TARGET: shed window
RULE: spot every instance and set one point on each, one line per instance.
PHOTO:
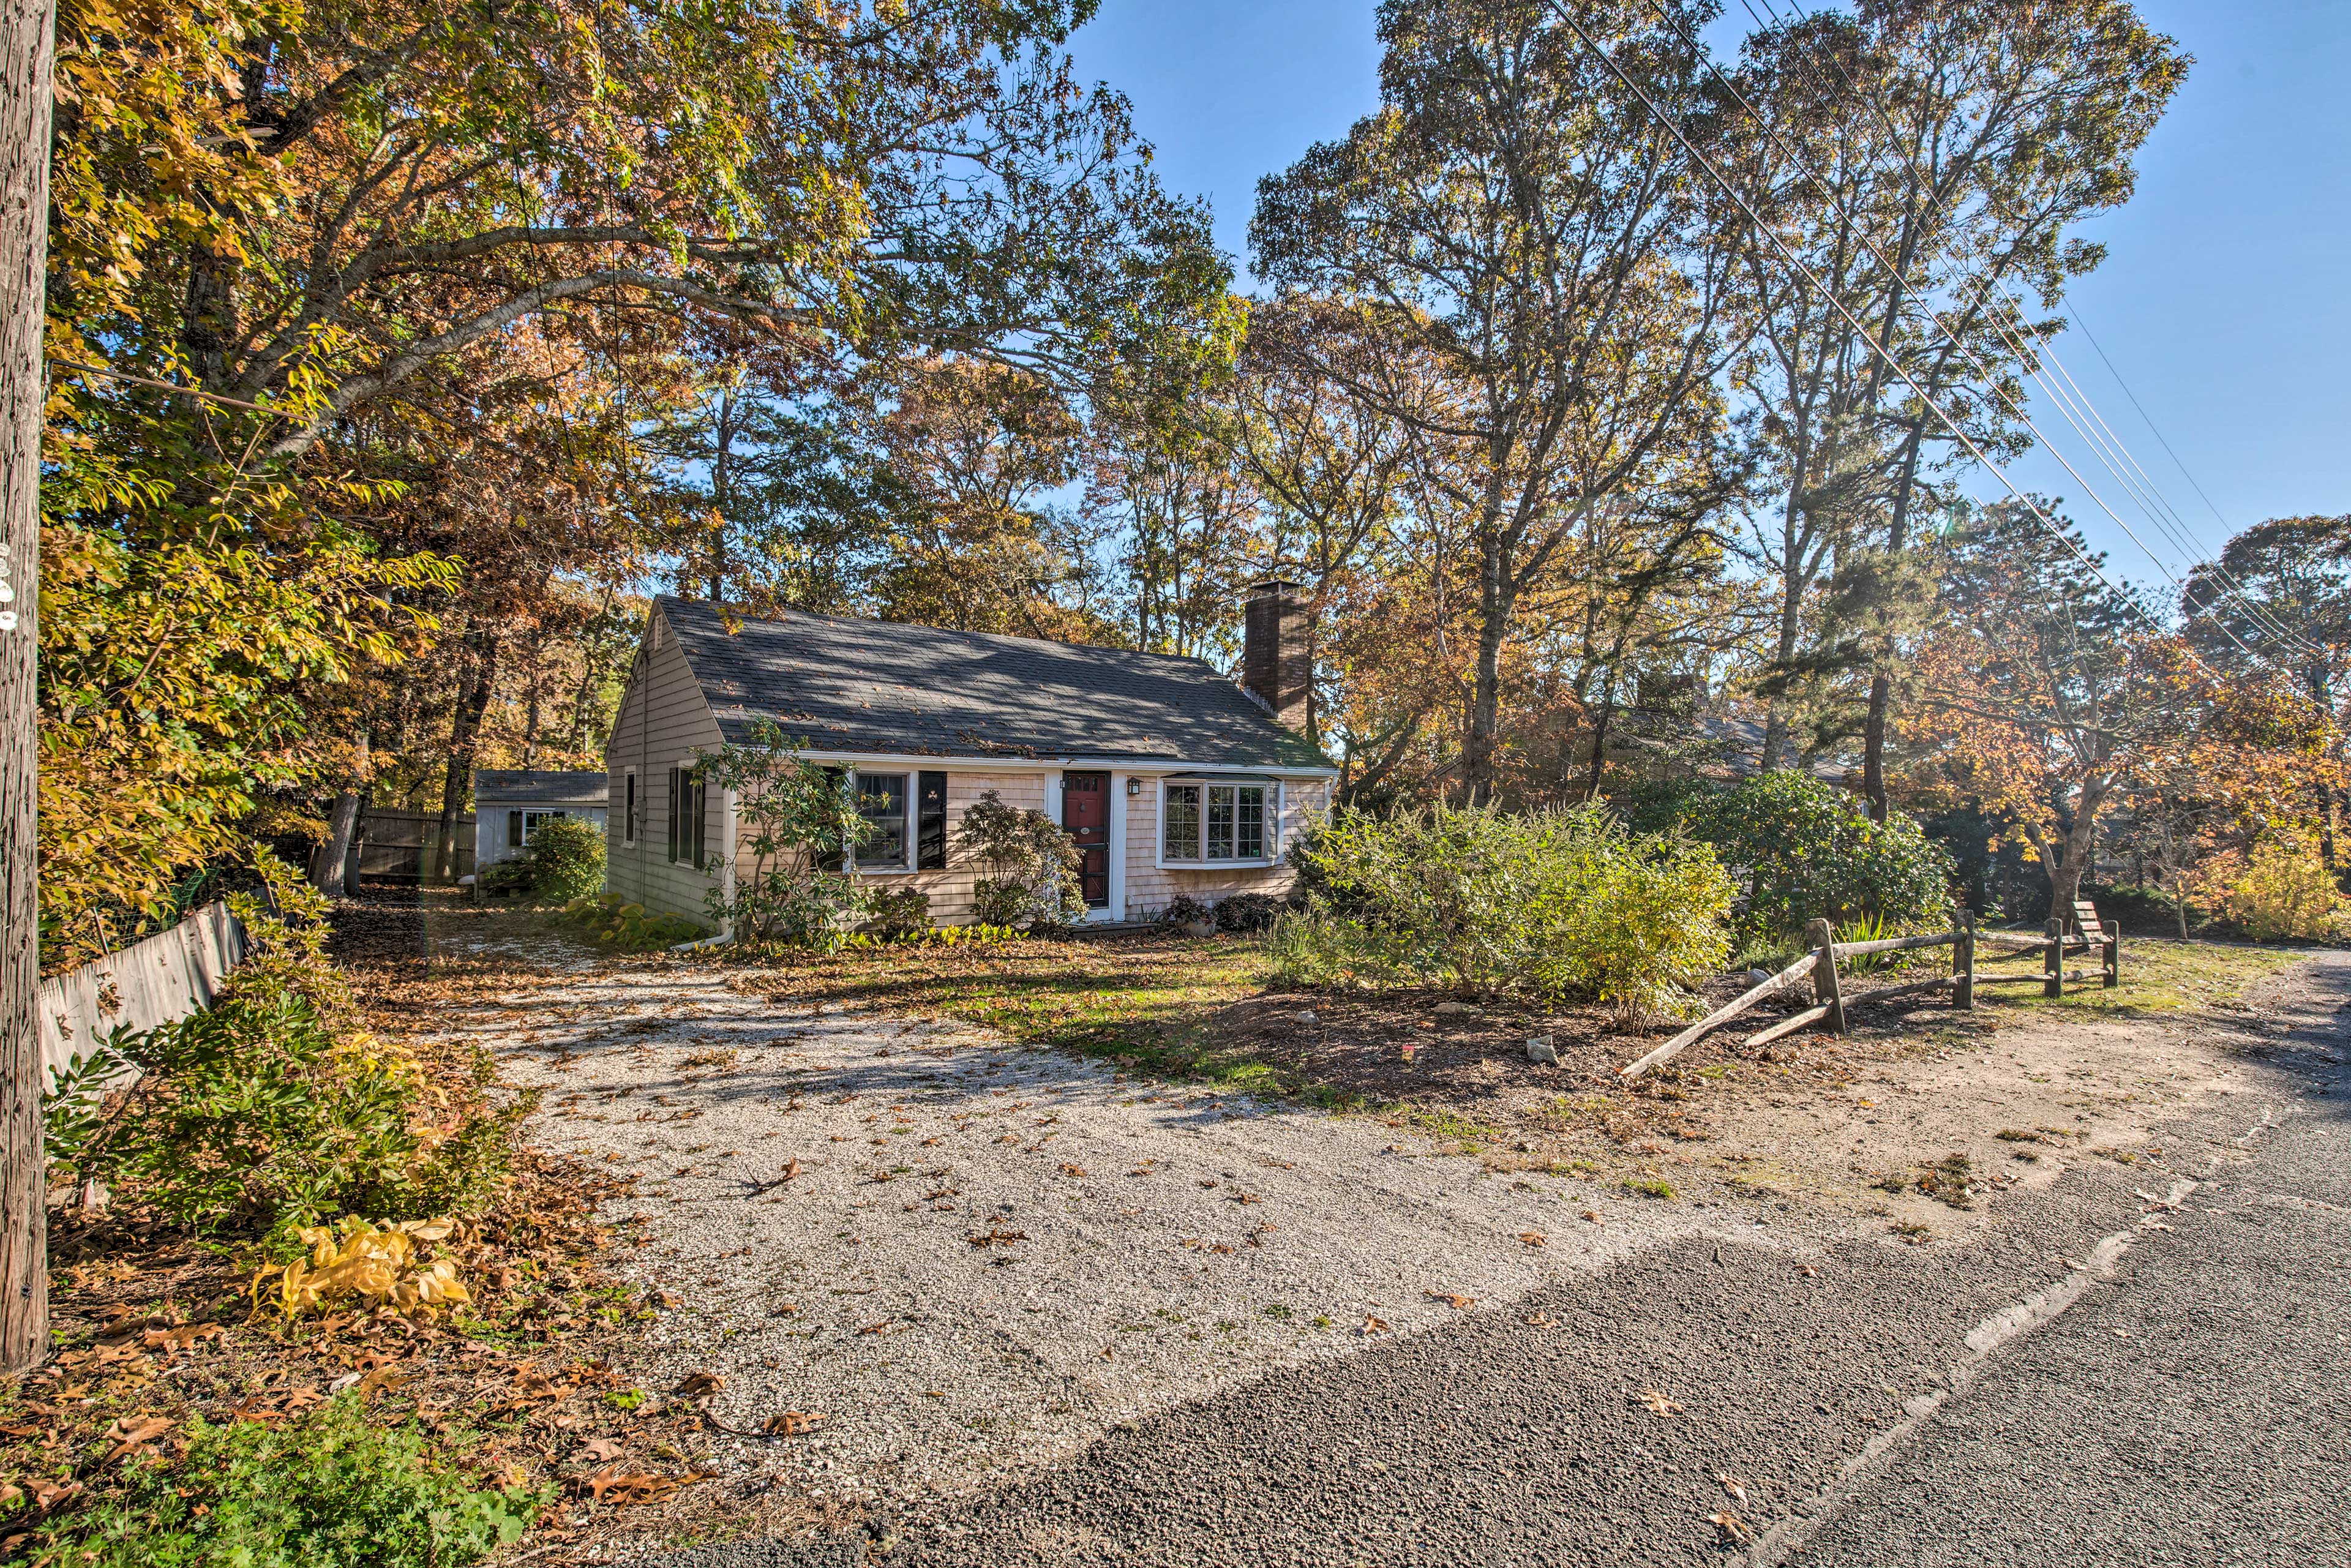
(687, 797)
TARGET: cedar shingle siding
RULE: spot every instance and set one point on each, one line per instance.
(991, 713)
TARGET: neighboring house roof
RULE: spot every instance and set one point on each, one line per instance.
(1741, 740)
(537, 787)
(880, 686)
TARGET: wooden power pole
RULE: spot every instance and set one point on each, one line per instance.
(27, 39)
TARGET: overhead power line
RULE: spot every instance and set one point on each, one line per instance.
(1829, 296)
(2142, 491)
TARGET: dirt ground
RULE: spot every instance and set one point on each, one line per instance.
(916, 1258)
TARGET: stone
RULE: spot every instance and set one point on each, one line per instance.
(1453, 1010)
(1543, 1047)
(1306, 1017)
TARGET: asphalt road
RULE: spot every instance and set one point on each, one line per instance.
(2191, 1403)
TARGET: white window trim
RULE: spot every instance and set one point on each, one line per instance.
(629, 817)
(1277, 798)
(906, 805)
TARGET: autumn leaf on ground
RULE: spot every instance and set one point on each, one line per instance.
(602, 1451)
(1373, 1325)
(698, 1386)
(1070, 1170)
(133, 1432)
(1540, 1320)
(609, 1485)
(1735, 1487)
(1459, 1303)
(997, 1236)
(1533, 1238)
(790, 1424)
(1732, 1527)
(1657, 1404)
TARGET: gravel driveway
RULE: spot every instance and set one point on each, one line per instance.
(1040, 1312)
(970, 1260)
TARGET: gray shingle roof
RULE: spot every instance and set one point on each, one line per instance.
(881, 687)
(537, 787)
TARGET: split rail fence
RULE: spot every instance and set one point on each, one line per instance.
(1830, 1001)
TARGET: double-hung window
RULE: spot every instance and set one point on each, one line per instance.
(689, 798)
(882, 800)
(1204, 823)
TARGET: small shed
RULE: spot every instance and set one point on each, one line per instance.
(510, 803)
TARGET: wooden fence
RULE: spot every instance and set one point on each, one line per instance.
(158, 981)
(390, 845)
(1830, 1001)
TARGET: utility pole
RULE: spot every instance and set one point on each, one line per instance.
(27, 39)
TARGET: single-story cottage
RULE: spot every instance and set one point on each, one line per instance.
(509, 803)
(1173, 777)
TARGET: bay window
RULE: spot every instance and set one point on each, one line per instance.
(1204, 822)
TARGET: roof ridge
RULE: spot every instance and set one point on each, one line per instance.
(708, 607)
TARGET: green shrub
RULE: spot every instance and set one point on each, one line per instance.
(268, 1109)
(1247, 911)
(1563, 903)
(506, 878)
(1033, 865)
(327, 1491)
(567, 860)
(1808, 851)
(2285, 892)
(1318, 947)
(800, 822)
(632, 927)
(1185, 910)
(898, 915)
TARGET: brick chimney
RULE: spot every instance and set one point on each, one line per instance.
(1275, 666)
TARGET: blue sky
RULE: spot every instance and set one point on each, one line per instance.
(2223, 299)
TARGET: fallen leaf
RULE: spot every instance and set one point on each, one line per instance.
(1071, 1170)
(133, 1432)
(1373, 1325)
(1540, 1320)
(1735, 1487)
(609, 1485)
(1458, 1303)
(698, 1386)
(1658, 1405)
(602, 1451)
(790, 1424)
(1533, 1238)
(1732, 1527)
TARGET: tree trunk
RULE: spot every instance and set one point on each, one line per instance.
(1881, 684)
(473, 701)
(342, 820)
(1600, 742)
(26, 39)
(1494, 605)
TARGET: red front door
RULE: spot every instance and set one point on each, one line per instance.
(1086, 817)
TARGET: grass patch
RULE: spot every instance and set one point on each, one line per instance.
(1147, 1003)
(1651, 1187)
(2160, 975)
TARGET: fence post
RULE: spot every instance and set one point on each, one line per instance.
(1963, 962)
(1823, 936)
(2052, 963)
(2113, 955)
